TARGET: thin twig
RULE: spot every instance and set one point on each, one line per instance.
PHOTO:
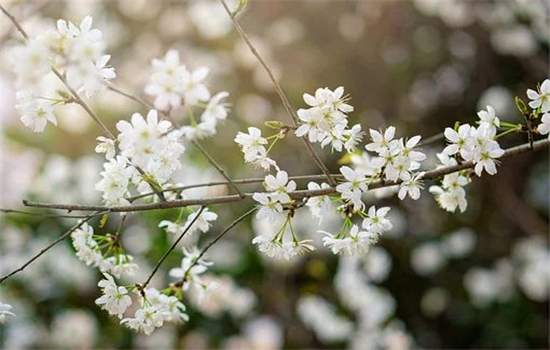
(252, 180)
(130, 96)
(432, 139)
(78, 100)
(51, 245)
(43, 215)
(165, 255)
(15, 23)
(214, 241)
(282, 95)
(299, 194)
(218, 167)
(210, 159)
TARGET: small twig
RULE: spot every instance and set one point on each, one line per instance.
(432, 139)
(214, 241)
(165, 255)
(15, 23)
(43, 215)
(210, 159)
(282, 95)
(49, 246)
(130, 96)
(252, 180)
(78, 100)
(216, 165)
(299, 194)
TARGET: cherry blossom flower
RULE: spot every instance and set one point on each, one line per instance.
(489, 117)
(35, 112)
(354, 187)
(107, 146)
(269, 207)
(381, 141)
(192, 87)
(461, 140)
(156, 309)
(411, 187)
(326, 120)
(114, 299)
(376, 221)
(540, 99)
(318, 205)
(191, 268)
(115, 180)
(544, 126)
(279, 186)
(450, 199)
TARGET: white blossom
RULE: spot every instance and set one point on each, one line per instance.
(191, 268)
(353, 188)
(322, 317)
(35, 112)
(461, 140)
(376, 222)
(489, 118)
(87, 249)
(325, 121)
(114, 299)
(541, 98)
(107, 146)
(156, 309)
(411, 187)
(115, 179)
(279, 187)
(544, 126)
(381, 141)
(318, 205)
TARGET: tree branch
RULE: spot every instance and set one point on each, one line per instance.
(51, 245)
(299, 194)
(282, 95)
(165, 255)
(214, 241)
(210, 159)
(218, 167)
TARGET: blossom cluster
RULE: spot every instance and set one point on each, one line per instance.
(326, 122)
(253, 147)
(173, 85)
(75, 52)
(355, 240)
(89, 251)
(468, 144)
(396, 160)
(148, 151)
(155, 307)
(479, 145)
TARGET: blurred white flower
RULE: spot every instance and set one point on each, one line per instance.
(427, 259)
(5, 312)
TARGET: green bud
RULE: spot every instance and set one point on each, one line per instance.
(521, 106)
(274, 124)
(65, 95)
(103, 220)
(241, 6)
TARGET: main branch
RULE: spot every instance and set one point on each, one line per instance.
(299, 194)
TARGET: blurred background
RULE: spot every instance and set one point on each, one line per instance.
(474, 280)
